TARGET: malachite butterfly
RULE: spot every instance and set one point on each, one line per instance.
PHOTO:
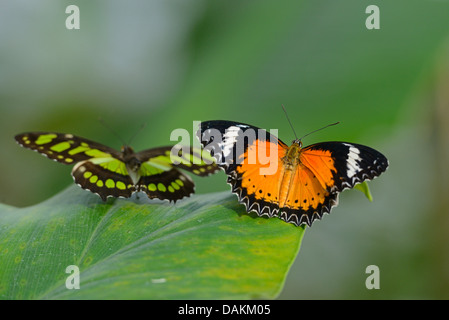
(111, 173)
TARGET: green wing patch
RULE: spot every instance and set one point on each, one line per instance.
(64, 148)
(169, 185)
(194, 160)
(100, 179)
(160, 177)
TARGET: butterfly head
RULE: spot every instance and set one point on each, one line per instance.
(297, 142)
(127, 150)
(129, 157)
(293, 152)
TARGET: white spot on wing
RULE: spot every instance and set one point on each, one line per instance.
(229, 139)
(353, 157)
(79, 165)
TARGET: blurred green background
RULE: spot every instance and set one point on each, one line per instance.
(168, 63)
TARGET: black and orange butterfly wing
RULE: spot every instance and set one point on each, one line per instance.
(245, 153)
(325, 169)
(300, 195)
(349, 163)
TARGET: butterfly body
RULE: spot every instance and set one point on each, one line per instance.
(111, 173)
(132, 162)
(302, 183)
(290, 165)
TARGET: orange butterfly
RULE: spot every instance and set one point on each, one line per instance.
(297, 185)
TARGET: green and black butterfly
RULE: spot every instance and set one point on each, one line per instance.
(111, 173)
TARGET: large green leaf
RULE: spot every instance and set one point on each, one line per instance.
(204, 247)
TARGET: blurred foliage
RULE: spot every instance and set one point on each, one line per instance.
(205, 248)
(167, 63)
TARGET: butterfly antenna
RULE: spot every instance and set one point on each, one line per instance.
(285, 111)
(111, 130)
(332, 124)
(137, 132)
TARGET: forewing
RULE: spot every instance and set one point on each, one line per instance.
(228, 142)
(64, 148)
(191, 159)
